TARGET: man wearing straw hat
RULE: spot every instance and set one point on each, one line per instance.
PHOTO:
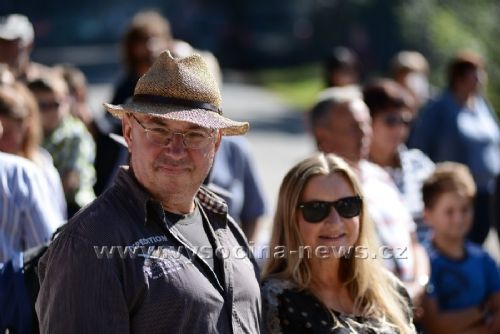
(157, 252)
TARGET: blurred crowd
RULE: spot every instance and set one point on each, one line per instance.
(427, 160)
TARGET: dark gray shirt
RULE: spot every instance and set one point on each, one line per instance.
(194, 229)
(91, 282)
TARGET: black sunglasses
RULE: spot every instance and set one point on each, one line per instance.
(316, 211)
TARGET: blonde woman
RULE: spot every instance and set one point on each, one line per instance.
(321, 276)
(20, 118)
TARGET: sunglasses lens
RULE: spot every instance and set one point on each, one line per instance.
(314, 212)
(348, 207)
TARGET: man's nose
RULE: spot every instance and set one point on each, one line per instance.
(176, 144)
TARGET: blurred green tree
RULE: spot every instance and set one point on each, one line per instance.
(439, 28)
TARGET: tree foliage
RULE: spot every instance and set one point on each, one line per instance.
(439, 28)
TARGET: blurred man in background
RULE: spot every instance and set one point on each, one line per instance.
(16, 43)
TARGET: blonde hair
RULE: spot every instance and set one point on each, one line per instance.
(17, 102)
(373, 289)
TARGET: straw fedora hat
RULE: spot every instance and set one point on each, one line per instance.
(181, 89)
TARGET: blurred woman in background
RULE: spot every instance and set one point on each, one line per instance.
(22, 135)
(391, 108)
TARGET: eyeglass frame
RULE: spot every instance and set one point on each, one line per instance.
(183, 134)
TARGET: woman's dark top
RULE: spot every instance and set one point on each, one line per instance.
(288, 310)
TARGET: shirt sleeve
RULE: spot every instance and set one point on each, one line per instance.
(425, 132)
(79, 152)
(77, 155)
(431, 289)
(492, 275)
(79, 292)
(41, 218)
(253, 203)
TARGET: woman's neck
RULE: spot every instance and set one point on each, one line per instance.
(324, 273)
(329, 289)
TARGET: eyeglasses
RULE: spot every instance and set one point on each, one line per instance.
(317, 211)
(193, 139)
(395, 120)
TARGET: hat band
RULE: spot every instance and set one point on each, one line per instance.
(176, 101)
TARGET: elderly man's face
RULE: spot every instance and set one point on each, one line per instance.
(346, 131)
(172, 170)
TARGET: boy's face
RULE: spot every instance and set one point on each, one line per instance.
(451, 216)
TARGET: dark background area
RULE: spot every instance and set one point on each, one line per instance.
(242, 34)
(257, 34)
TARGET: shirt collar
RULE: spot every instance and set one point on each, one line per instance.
(126, 179)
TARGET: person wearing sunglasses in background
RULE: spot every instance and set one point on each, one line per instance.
(327, 281)
(341, 124)
(391, 112)
(67, 140)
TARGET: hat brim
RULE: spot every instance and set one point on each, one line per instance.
(201, 117)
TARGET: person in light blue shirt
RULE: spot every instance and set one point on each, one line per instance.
(460, 125)
(25, 218)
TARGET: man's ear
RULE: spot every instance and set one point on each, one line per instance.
(320, 134)
(427, 213)
(218, 140)
(127, 130)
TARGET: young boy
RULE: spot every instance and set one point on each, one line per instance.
(463, 295)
